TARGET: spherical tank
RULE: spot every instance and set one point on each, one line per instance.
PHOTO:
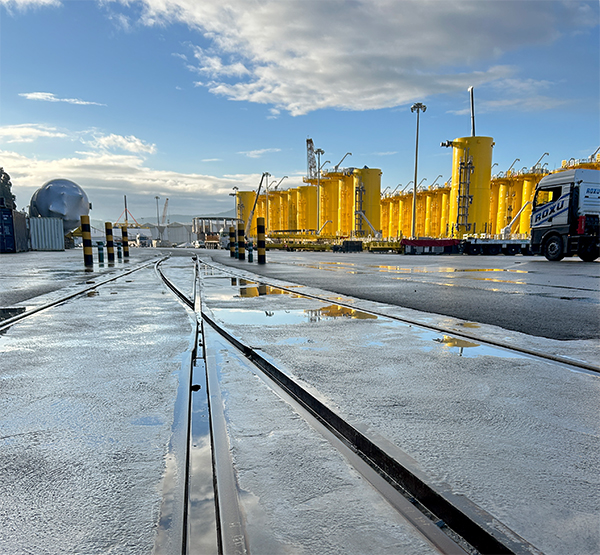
(479, 150)
(60, 198)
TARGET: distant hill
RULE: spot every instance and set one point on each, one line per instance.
(183, 219)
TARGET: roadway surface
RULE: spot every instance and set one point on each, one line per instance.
(555, 300)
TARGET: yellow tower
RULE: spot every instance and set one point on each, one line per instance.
(307, 207)
(244, 204)
(471, 174)
(367, 200)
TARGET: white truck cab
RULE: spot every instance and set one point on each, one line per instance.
(565, 215)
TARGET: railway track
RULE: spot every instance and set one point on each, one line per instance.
(451, 523)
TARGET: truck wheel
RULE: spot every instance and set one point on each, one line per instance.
(588, 253)
(493, 250)
(511, 250)
(553, 248)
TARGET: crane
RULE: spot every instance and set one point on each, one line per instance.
(164, 214)
(310, 158)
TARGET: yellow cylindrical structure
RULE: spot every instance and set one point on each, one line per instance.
(529, 184)
(494, 189)
(469, 210)
(515, 200)
(244, 204)
(307, 207)
(502, 198)
(427, 230)
(384, 216)
(329, 206)
(394, 211)
(444, 213)
(293, 209)
(368, 180)
(346, 207)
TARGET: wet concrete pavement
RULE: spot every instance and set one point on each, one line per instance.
(88, 391)
(89, 388)
(526, 294)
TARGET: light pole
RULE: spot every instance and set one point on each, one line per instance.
(319, 152)
(418, 107)
(234, 195)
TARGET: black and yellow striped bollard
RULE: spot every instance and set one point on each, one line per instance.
(241, 241)
(86, 234)
(125, 241)
(232, 242)
(110, 245)
(260, 243)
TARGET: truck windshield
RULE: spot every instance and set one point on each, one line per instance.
(544, 196)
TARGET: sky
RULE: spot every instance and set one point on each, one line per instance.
(186, 100)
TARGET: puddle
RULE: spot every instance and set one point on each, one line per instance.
(468, 325)
(442, 270)
(465, 348)
(6, 313)
(243, 316)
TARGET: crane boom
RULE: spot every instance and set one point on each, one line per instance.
(164, 214)
(310, 159)
(249, 223)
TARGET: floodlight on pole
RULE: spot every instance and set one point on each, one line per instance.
(279, 183)
(417, 107)
(340, 162)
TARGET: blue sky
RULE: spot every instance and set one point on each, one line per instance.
(187, 99)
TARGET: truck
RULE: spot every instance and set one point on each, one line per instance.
(565, 215)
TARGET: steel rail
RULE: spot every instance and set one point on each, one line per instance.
(461, 334)
(10, 321)
(231, 534)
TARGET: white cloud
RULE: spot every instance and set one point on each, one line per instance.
(259, 153)
(24, 4)
(50, 97)
(106, 177)
(211, 160)
(129, 144)
(366, 54)
(28, 132)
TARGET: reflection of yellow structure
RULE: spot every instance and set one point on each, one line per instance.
(337, 311)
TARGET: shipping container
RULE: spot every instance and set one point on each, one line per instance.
(14, 236)
(47, 234)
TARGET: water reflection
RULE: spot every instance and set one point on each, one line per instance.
(336, 311)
